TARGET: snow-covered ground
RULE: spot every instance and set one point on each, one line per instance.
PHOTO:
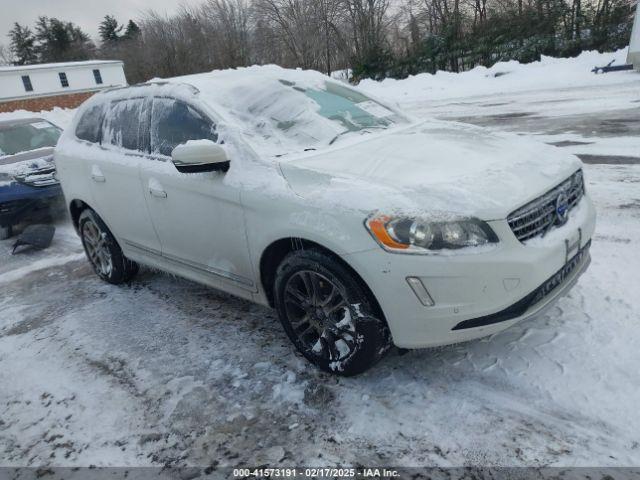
(165, 371)
(505, 77)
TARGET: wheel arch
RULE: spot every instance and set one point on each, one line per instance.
(76, 207)
(275, 252)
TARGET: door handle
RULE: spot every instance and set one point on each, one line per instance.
(96, 175)
(156, 189)
(157, 193)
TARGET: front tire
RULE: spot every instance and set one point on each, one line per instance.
(103, 251)
(328, 314)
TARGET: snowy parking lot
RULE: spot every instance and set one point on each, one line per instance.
(167, 372)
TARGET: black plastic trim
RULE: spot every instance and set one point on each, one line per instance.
(203, 167)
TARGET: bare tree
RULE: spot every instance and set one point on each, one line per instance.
(328, 14)
(228, 31)
(175, 46)
(368, 29)
(295, 24)
(374, 38)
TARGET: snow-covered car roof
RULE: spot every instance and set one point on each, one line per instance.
(218, 84)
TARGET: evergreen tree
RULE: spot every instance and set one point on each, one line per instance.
(61, 41)
(53, 39)
(23, 44)
(109, 30)
(132, 31)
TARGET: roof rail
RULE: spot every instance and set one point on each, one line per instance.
(166, 82)
(153, 82)
(112, 89)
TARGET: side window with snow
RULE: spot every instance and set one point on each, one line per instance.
(174, 122)
(89, 125)
(123, 124)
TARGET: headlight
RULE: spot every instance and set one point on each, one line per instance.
(415, 235)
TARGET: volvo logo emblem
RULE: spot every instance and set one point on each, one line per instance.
(562, 208)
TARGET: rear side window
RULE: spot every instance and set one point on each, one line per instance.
(89, 125)
(174, 122)
(122, 124)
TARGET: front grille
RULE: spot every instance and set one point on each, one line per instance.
(40, 177)
(537, 217)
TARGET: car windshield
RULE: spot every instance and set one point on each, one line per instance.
(282, 116)
(350, 109)
(23, 137)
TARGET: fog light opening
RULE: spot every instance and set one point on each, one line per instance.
(421, 292)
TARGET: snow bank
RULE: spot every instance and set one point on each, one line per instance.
(503, 77)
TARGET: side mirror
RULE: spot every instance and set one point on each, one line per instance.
(200, 156)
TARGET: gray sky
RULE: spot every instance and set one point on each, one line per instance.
(86, 13)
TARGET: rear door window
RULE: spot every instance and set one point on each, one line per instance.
(124, 124)
(174, 122)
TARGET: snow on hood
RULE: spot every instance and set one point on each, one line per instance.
(435, 167)
(24, 162)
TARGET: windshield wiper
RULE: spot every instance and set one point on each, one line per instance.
(338, 136)
(308, 149)
(363, 130)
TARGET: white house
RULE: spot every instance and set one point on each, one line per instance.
(56, 84)
(633, 56)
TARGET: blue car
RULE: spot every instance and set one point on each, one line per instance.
(28, 185)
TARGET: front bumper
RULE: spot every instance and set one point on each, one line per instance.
(18, 201)
(481, 293)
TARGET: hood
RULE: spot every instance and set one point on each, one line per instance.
(34, 168)
(436, 166)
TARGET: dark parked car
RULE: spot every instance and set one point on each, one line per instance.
(27, 173)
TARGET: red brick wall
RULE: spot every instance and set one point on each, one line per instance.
(37, 104)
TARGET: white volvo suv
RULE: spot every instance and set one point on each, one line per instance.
(362, 227)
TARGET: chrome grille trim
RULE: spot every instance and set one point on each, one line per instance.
(40, 177)
(537, 217)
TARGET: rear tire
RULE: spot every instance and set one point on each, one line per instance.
(103, 251)
(328, 314)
